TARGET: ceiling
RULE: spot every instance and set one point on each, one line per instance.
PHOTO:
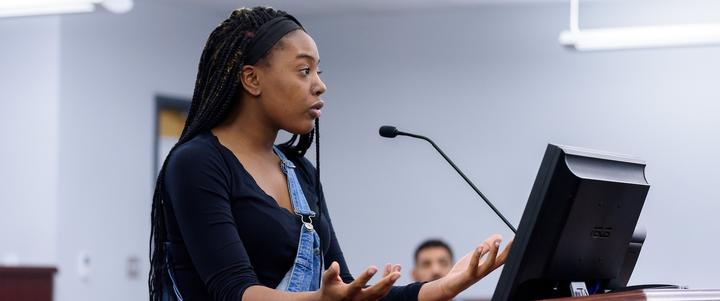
(305, 7)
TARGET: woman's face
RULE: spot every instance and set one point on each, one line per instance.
(290, 83)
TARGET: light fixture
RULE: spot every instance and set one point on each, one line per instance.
(636, 37)
(17, 8)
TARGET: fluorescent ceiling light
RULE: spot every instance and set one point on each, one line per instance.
(637, 37)
(17, 8)
(642, 37)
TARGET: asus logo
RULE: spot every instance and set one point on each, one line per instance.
(601, 232)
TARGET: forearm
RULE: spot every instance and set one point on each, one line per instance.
(259, 293)
(443, 289)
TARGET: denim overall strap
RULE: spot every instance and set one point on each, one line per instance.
(307, 269)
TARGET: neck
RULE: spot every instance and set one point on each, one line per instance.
(246, 131)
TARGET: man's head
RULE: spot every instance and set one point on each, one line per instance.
(433, 260)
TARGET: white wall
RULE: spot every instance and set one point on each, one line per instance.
(28, 153)
(493, 87)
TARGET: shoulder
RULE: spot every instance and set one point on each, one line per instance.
(304, 169)
(304, 166)
(196, 155)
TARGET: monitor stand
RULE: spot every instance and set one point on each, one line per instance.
(578, 289)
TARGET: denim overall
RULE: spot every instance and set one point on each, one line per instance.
(305, 273)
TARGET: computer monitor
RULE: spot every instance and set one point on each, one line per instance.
(577, 225)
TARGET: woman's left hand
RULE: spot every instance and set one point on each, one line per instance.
(474, 266)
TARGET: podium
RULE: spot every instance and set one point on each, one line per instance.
(26, 283)
(652, 294)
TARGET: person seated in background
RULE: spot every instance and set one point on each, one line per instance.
(433, 260)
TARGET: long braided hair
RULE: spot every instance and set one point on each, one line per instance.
(217, 89)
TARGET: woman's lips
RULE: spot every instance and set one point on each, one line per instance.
(315, 110)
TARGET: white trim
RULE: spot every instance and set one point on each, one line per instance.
(636, 37)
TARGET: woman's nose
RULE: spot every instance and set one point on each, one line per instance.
(320, 87)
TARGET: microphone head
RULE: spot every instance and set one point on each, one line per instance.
(388, 131)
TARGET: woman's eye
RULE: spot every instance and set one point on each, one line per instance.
(307, 71)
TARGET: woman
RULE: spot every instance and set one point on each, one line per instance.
(235, 217)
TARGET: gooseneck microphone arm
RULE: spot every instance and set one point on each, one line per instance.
(392, 132)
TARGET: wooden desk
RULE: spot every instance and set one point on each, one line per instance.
(26, 283)
(653, 295)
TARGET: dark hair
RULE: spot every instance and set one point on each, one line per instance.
(432, 243)
(217, 89)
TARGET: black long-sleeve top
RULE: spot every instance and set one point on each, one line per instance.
(226, 234)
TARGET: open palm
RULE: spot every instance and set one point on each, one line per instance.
(334, 289)
(482, 261)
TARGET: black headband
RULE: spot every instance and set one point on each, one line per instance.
(267, 35)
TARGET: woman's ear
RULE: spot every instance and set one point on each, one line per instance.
(249, 80)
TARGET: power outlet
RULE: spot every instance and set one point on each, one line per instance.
(84, 265)
(133, 267)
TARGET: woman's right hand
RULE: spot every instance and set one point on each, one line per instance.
(334, 289)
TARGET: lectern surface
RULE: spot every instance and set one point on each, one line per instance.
(653, 295)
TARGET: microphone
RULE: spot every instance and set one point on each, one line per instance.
(388, 131)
